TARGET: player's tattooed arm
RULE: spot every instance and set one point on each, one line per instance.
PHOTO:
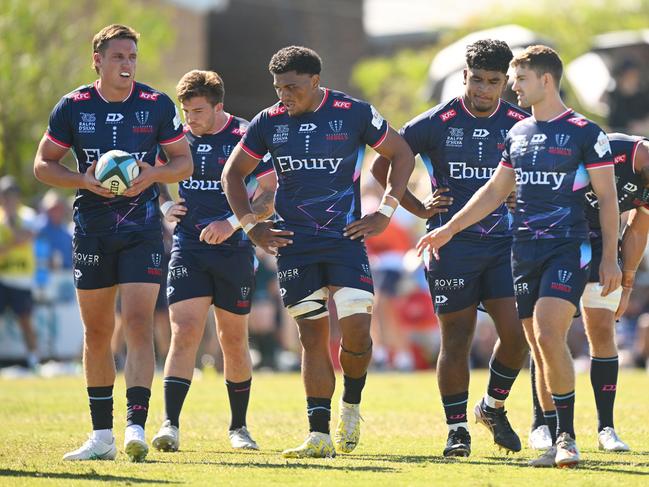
(263, 203)
(432, 205)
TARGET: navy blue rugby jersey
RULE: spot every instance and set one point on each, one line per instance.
(318, 158)
(630, 191)
(203, 193)
(551, 161)
(90, 125)
(461, 152)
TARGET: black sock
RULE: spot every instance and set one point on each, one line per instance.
(501, 379)
(175, 392)
(537, 410)
(319, 411)
(101, 407)
(353, 389)
(550, 418)
(239, 395)
(565, 405)
(455, 407)
(603, 377)
(137, 405)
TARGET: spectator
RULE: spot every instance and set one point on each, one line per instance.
(629, 100)
(17, 262)
(53, 227)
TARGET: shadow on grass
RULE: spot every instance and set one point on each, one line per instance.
(592, 465)
(289, 464)
(81, 476)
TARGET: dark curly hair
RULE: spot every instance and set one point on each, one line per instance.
(489, 54)
(300, 59)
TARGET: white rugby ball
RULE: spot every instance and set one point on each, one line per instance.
(115, 170)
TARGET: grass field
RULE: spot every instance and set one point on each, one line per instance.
(402, 437)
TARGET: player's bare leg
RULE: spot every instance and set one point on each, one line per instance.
(599, 324)
(237, 367)
(457, 329)
(187, 326)
(510, 352)
(97, 307)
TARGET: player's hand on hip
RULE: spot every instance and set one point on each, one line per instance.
(368, 226)
(436, 203)
(176, 211)
(145, 179)
(434, 240)
(624, 302)
(269, 239)
(91, 183)
(216, 232)
(610, 276)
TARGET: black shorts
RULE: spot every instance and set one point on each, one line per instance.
(107, 260)
(313, 262)
(557, 268)
(18, 300)
(470, 271)
(225, 274)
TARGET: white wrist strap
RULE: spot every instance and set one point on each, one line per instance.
(234, 221)
(249, 226)
(386, 210)
(164, 207)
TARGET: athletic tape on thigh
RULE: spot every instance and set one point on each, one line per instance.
(312, 307)
(350, 301)
(592, 297)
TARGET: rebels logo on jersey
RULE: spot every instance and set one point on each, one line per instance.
(317, 158)
(90, 125)
(461, 152)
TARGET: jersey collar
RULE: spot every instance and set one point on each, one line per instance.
(96, 87)
(461, 98)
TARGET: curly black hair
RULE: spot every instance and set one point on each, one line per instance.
(300, 59)
(489, 54)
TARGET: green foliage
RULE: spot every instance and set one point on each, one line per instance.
(395, 84)
(46, 53)
(402, 437)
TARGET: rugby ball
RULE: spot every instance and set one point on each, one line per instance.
(115, 170)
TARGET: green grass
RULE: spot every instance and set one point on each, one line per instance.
(402, 437)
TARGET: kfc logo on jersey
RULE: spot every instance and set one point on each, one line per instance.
(448, 115)
(82, 96)
(114, 118)
(203, 148)
(239, 131)
(144, 95)
(619, 159)
(345, 105)
(278, 110)
(578, 121)
(515, 115)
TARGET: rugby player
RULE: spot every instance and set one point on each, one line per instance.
(212, 260)
(631, 158)
(549, 158)
(317, 139)
(460, 143)
(117, 240)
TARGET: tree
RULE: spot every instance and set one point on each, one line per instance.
(46, 52)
